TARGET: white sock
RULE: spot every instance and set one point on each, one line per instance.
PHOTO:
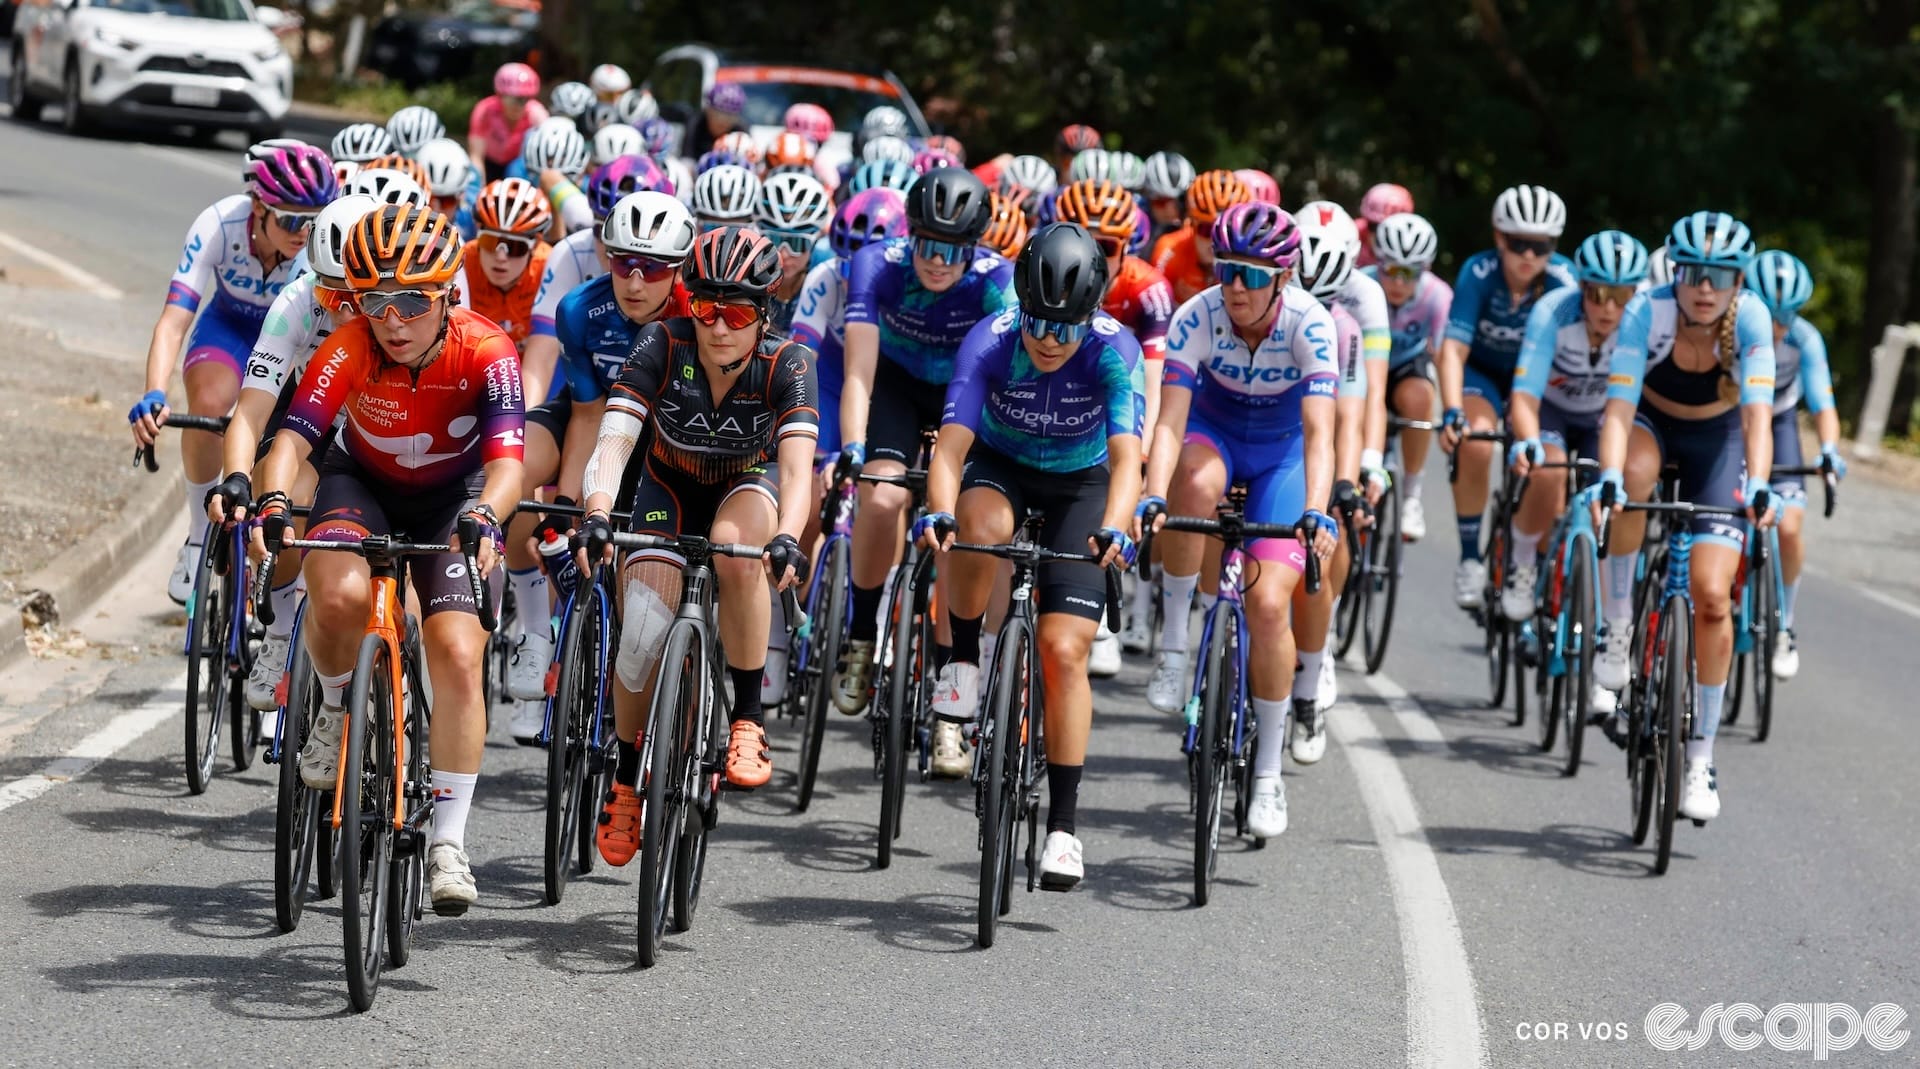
(1207, 601)
(1414, 482)
(452, 800)
(197, 522)
(333, 689)
(1272, 718)
(1616, 602)
(1706, 720)
(1526, 547)
(1788, 595)
(530, 593)
(286, 602)
(1306, 682)
(1176, 594)
(1143, 598)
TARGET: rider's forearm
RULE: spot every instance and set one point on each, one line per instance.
(503, 487)
(1826, 423)
(796, 484)
(1757, 423)
(1123, 483)
(583, 427)
(1167, 432)
(250, 415)
(1376, 435)
(1348, 433)
(536, 368)
(1451, 366)
(282, 464)
(1615, 426)
(1523, 416)
(164, 347)
(861, 359)
(943, 473)
(1317, 417)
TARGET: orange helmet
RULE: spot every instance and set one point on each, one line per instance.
(402, 243)
(1007, 229)
(1103, 207)
(741, 144)
(790, 150)
(406, 165)
(1211, 193)
(513, 206)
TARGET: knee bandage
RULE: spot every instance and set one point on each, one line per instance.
(643, 632)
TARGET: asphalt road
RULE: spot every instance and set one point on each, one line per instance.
(1442, 892)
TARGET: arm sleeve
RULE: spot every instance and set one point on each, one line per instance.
(1816, 377)
(286, 330)
(1753, 332)
(794, 391)
(1469, 296)
(1628, 370)
(576, 212)
(976, 367)
(1156, 313)
(1375, 321)
(333, 373)
(611, 451)
(864, 283)
(1536, 349)
(503, 411)
(193, 278)
(1187, 340)
(1350, 347)
(642, 374)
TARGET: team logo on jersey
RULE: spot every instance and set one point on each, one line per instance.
(895, 253)
(1104, 324)
(1483, 268)
(1500, 333)
(1185, 326)
(188, 254)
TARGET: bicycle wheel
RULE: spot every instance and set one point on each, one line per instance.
(706, 755)
(1516, 656)
(1643, 695)
(1766, 634)
(664, 761)
(899, 713)
(1211, 756)
(1549, 694)
(243, 721)
(408, 879)
(569, 721)
(1670, 730)
(1348, 612)
(297, 808)
(1499, 637)
(366, 819)
(1382, 577)
(207, 684)
(997, 762)
(1577, 653)
(828, 625)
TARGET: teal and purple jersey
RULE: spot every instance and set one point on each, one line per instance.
(921, 330)
(1057, 420)
(1485, 317)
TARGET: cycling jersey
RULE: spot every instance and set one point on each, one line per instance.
(1055, 421)
(1367, 302)
(1252, 393)
(572, 260)
(820, 324)
(488, 121)
(1174, 257)
(1643, 347)
(218, 265)
(295, 327)
(1485, 317)
(1142, 300)
(1349, 348)
(1800, 369)
(413, 430)
(713, 441)
(921, 330)
(596, 336)
(1419, 324)
(1557, 363)
(510, 309)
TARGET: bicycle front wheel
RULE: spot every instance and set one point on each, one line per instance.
(1211, 756)
(1382, 577)
(208, 687)
(569, 720)
(297, 807)
(1671, 729)
(1766, 633)
(663, 757)
(1347, 612)
(1580, 644)
(828, 623)
(366, 819)
(900, 713)
(243, 720)
(997, 761)
(706, 754)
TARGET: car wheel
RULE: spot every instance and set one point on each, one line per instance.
(26, 106)
(73, 114)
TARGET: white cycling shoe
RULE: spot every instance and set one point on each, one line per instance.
(269, 664)
(320, 757)
(1469, 584)
(1700, 793)
(1413, 520)
(1309, 731)
(1516, 598)
(450, 880)
(1103, 661)
(1786, 657)
(1138, 635)
(1611, 670)
(185, 567)
(1167, 690)
(527, 672)
(852, 677)
(525, 719)
(1061, 864)
(1267, 813)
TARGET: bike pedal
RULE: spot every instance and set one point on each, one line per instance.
(1699, 823)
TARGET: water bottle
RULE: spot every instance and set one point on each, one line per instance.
(557, 560)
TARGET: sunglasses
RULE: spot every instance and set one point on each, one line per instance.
(649, 269)
(513, 245)
(1605, 295)
(293, 222)
(1528, 246)
(793, 241)
(1720, 278)
(333, 298)
(409, 304)
(947, 252)
(1253, 278)
(709, 311)
(1402, 272)
(1110, 247)
(1038, 328)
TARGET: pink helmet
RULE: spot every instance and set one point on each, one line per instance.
(516, 80)
(810, 121)
(928, 159)
(1259, 183)
(291, 175)
(1383, 200)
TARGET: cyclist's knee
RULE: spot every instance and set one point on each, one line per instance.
(1712, 602)
(1064, 643)
(1268, 611)
(645, 619)
(885, 500)
(738, 573)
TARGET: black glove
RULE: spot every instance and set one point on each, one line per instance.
(235, 493)
(1345, 496)
(596, 532)
(553, 523)
(783, 553)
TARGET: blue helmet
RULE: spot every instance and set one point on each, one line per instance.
(719, 158)
(1611, 258)
(883, 174)
(1711, 239)
(1782, 281)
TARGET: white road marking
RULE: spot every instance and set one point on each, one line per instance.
(97, 747)
(1888, 600)
(1444, 1027)
(86, 280)
(229, 171)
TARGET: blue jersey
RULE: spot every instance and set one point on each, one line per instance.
(820, 324)
(595, 338)
(463, 218)
(1485, 317)
(1558, 362)
(1800, 369)
(921, 330)
(1643, 351)
(1057, 420)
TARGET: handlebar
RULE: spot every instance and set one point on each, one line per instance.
(1400, 424)
(1231, 526)
(185, 421)
(1030, 554)
(378, 548)
(564, 510)
(1829, 481)
(694, 547)
(1503, 436)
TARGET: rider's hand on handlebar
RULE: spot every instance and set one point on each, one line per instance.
(1453, 424)
(1113, 546)
(147, 416)
(1831, 460)
(853, 457)
(1325, 535)
(1760, 503)
(230, 499)
(596, 541)
(785, 561)
(1609, 492)
(1523, 455)
(936, 530)
(1150, 516)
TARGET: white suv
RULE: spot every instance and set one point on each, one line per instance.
(208, 64)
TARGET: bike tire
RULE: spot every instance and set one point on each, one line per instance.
(569, 717)
(1766, 624)
(828, 626)
(1677, 694)
(1582, 643)
(999, 779)
(366, 820)
(207, 683)
(1643, 695)
(705, 751)
(243, 721)
(1549, 695)
(297, 815)
(408, 879)
(1211, 760)
(899, 714)
(1498, 640)
(1348, 611)
(662, 761)
(1383, 582)
(1516, 658)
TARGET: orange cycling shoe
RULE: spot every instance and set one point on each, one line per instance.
(619, 833)
(749, 764)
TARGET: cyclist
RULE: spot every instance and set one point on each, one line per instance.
(1167, 178)
(810, 121)
(1404, 247)
(614, 140)
(1691, 383)
(414, 126)
(1185, 255)
(733, 414)
(510, 220)
(453, 181)
(909, 306)
(1492, 297)
(1007, 232)
(1249, 398)
(554, 157)
(1261, 186)
(1029, 173)
(412, 368)
(721, 116)
(238, 255)
(1044, 412)
(793, 212)
(1785, 286)
(725, 196)
(1382, 201)
(1559, 390)
(568, 100)
(356, 143)
(1070, 142)
(499, 123)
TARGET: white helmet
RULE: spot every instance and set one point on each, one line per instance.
(387, 186)
(1095, 163)
(608, 79)
(637, 106)
(329, 240)
(414, 126)
(682, 177)
(555, 145)
(1168, 175)
(343, 170)
(1659, 267)
(726, 194)
(1405, 240)
(884, 121)
(361, 142)
(1030, 173)
(570, 99)
(1129, 170)
(615, 140)
(598, 118)
(886, 147)
(649, 224)
(448, 166)
(1533, 210)
(793, 201)
(1327, 247)
(1330, 214)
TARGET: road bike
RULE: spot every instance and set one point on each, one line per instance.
(1756, 624)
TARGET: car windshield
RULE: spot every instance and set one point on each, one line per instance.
(487, 13)
(767, 102)
(219, 10)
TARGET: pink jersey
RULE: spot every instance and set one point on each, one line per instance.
(489, 122)
(1419, 324)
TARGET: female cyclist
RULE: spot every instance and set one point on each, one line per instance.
(1381, 202)
(1404, 247)
(499, 123)
(1185, 256)
(793, 211)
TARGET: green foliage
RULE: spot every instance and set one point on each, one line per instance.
(378, 99)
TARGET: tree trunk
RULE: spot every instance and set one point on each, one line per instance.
(1890, 242)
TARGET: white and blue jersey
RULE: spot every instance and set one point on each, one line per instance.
(595, 338)
(574, 259)
(1054, 421)
(820, 324)
(921, 330)
(1801, 370)
(1486, 318)
(220, 278)
(1252, 394)
(1558, 365)
(1643, 351)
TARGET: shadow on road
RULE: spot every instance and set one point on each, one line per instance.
(280, 983)
(1584, 848)
(927, 923)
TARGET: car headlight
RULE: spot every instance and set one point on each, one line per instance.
(269, 53)
(113, 40)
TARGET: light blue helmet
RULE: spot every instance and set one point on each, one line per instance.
(1782, 281)
(1711, 239)
(883, 174)
(1611, 258)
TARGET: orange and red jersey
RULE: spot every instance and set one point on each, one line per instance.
(1174, 255)
(510, 309)
(1142, 300)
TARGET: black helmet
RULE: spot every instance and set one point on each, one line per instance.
(1061, 274)
(949, 204)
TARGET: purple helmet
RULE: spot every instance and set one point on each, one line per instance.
(719, 157)
(1257, 231)
(929, 158)
(1142, 232)
(727, 98)
(662, 137)
(868, 216)
(291, 176)
(1046, 212)
(623, 175)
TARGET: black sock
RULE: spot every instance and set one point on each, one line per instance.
(942, 656)
(1063, 796)
(626, 767)
(966, 638)
(746, 692)
(866, 613)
